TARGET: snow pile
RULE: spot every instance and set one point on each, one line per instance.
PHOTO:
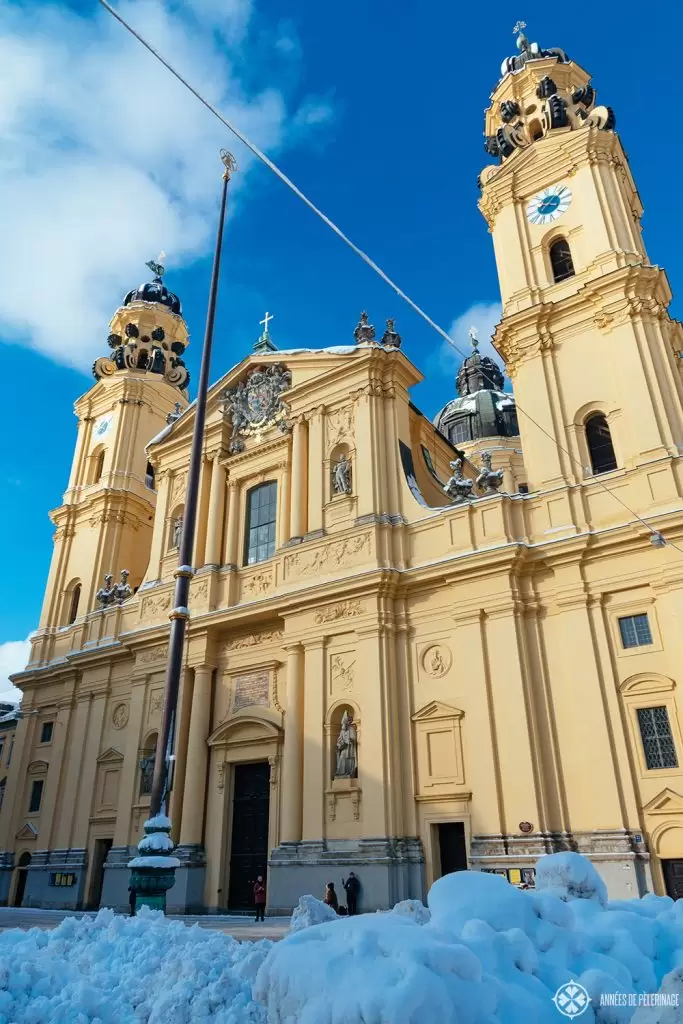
(488, 954)
(414, 910)
(310, 911)
(120, 970)
(570, 876)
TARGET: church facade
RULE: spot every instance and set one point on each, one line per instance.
(413, 646)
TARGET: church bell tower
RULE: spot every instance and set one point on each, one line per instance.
(104, 524)
(585, 334)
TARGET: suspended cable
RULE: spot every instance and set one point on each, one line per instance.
(654, 534)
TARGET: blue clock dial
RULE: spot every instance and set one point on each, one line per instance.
(548, 205)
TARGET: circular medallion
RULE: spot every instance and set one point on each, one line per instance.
(526, 826)
(436, 660)
(549, 204)
(119, 717)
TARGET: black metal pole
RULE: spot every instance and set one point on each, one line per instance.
(184, 572)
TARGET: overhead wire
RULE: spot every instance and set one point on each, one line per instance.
(253, 148)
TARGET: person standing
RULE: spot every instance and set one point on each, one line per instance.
(260, 898)
(331, 897)
(131, 900)
(352, 888)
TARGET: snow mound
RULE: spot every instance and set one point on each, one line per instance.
(118, 970)
(414, 910)
(488, 954)
(310, 911)
(571, 877)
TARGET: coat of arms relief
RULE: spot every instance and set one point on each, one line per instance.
(255, 404)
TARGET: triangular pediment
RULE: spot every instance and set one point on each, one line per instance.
(321, 364)
(110, 754)
(27, 831)
(666, 802)
(435, 710)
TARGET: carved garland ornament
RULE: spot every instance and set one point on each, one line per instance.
(253, 640)
(342, 610)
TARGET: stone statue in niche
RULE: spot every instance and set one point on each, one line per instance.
(347, 749)
(177, 531)
(147, 773)
(341, 475)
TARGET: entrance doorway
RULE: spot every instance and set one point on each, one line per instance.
(22, 875)
(249, 841)
(673, 878)
(452, 846)
(99, 855)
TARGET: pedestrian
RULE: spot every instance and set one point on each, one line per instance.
(260, 898)
(331, 897)
(352, 888)
(132, 895)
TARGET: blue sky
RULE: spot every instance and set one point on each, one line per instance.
(376, 114)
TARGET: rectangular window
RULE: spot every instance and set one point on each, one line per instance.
(2, 747)
(658, 743)
(46, 732)
(635, 631)
(9, 755)
(36, 796)
(460, 431)
(523, 488)
(261, 517)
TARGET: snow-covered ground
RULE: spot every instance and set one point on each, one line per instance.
(482, 952)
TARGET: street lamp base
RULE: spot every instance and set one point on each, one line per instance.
(153, 871)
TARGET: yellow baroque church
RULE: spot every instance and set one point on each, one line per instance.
(414, 646)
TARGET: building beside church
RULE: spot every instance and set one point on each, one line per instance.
(413, 646)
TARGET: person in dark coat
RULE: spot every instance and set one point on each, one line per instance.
(352, 888)
(260, 898)
(131, 900)
(331, 897)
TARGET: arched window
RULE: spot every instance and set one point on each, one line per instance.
(73, 604)
(149, 476)
(259, 542)
(98, 466)
(535, 130)
(599, 441)
(561, 261)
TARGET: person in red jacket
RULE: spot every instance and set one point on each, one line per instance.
(260, 898)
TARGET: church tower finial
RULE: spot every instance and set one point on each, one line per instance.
(148, 333)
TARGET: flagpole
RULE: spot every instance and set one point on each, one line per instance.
(144, 878)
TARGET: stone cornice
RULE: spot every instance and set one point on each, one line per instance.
(530, 170)
(627, 293)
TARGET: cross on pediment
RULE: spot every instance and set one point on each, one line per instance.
(265, 321)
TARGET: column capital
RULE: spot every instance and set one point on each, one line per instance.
(293, 646)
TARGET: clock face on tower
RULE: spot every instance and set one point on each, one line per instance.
(103, 426)
(549, 204)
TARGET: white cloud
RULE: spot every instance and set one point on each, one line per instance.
(14, 657)
(483, 316)
(105, 159)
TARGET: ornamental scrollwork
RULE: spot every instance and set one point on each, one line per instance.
(256, 403)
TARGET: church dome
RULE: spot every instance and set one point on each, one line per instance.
(154, 291)
(482, 408)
